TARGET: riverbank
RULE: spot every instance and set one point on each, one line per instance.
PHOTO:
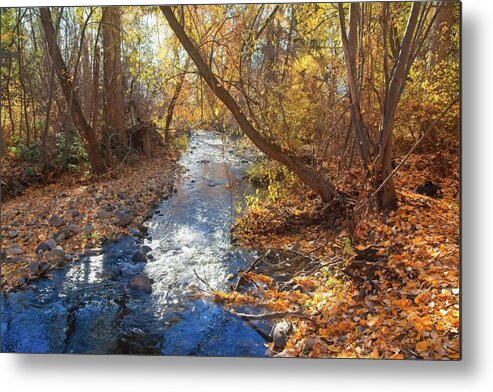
(389, 289)
(54, 224)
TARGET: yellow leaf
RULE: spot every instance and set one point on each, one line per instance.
(422, 346)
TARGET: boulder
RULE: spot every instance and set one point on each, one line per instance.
(140, 282)
(88, 228)
(42, 247)
(57, 251)
(429, 189)
(104, 214)
(280, 333)
(56, 221)
(139, 257)
(51, 243)
(43, 267)
(142, 228)
(73, 228)
(62, 235)
(123, 218)
(34, 267)
(146, 249)
(14, 251)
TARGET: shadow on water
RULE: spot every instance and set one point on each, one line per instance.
(88, 308)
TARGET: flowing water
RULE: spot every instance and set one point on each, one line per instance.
(83, 308)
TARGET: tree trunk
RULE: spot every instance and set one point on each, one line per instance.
(172, 104)
(307, 175)
(114, 111)
(86, 81)
(9, 99)
(349, 47)
(442, 32)
(387, 198)
(21, 79)
(66, 83)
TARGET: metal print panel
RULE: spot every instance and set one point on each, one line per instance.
(260, 180)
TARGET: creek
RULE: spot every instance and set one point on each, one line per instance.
(87, 307)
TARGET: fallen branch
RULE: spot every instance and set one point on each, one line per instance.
(249, 269)
(274, 315)
(204, 282)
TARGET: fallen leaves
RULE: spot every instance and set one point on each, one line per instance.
(75, 206)
(403, 303)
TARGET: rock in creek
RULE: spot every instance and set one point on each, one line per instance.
(146, 249)
(140, 282)
(115, 273)
(139, 257)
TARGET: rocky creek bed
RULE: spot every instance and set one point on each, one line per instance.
(138, 295)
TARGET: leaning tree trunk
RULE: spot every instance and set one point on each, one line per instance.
(71, 97)
(114, 111)
(307, 175)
